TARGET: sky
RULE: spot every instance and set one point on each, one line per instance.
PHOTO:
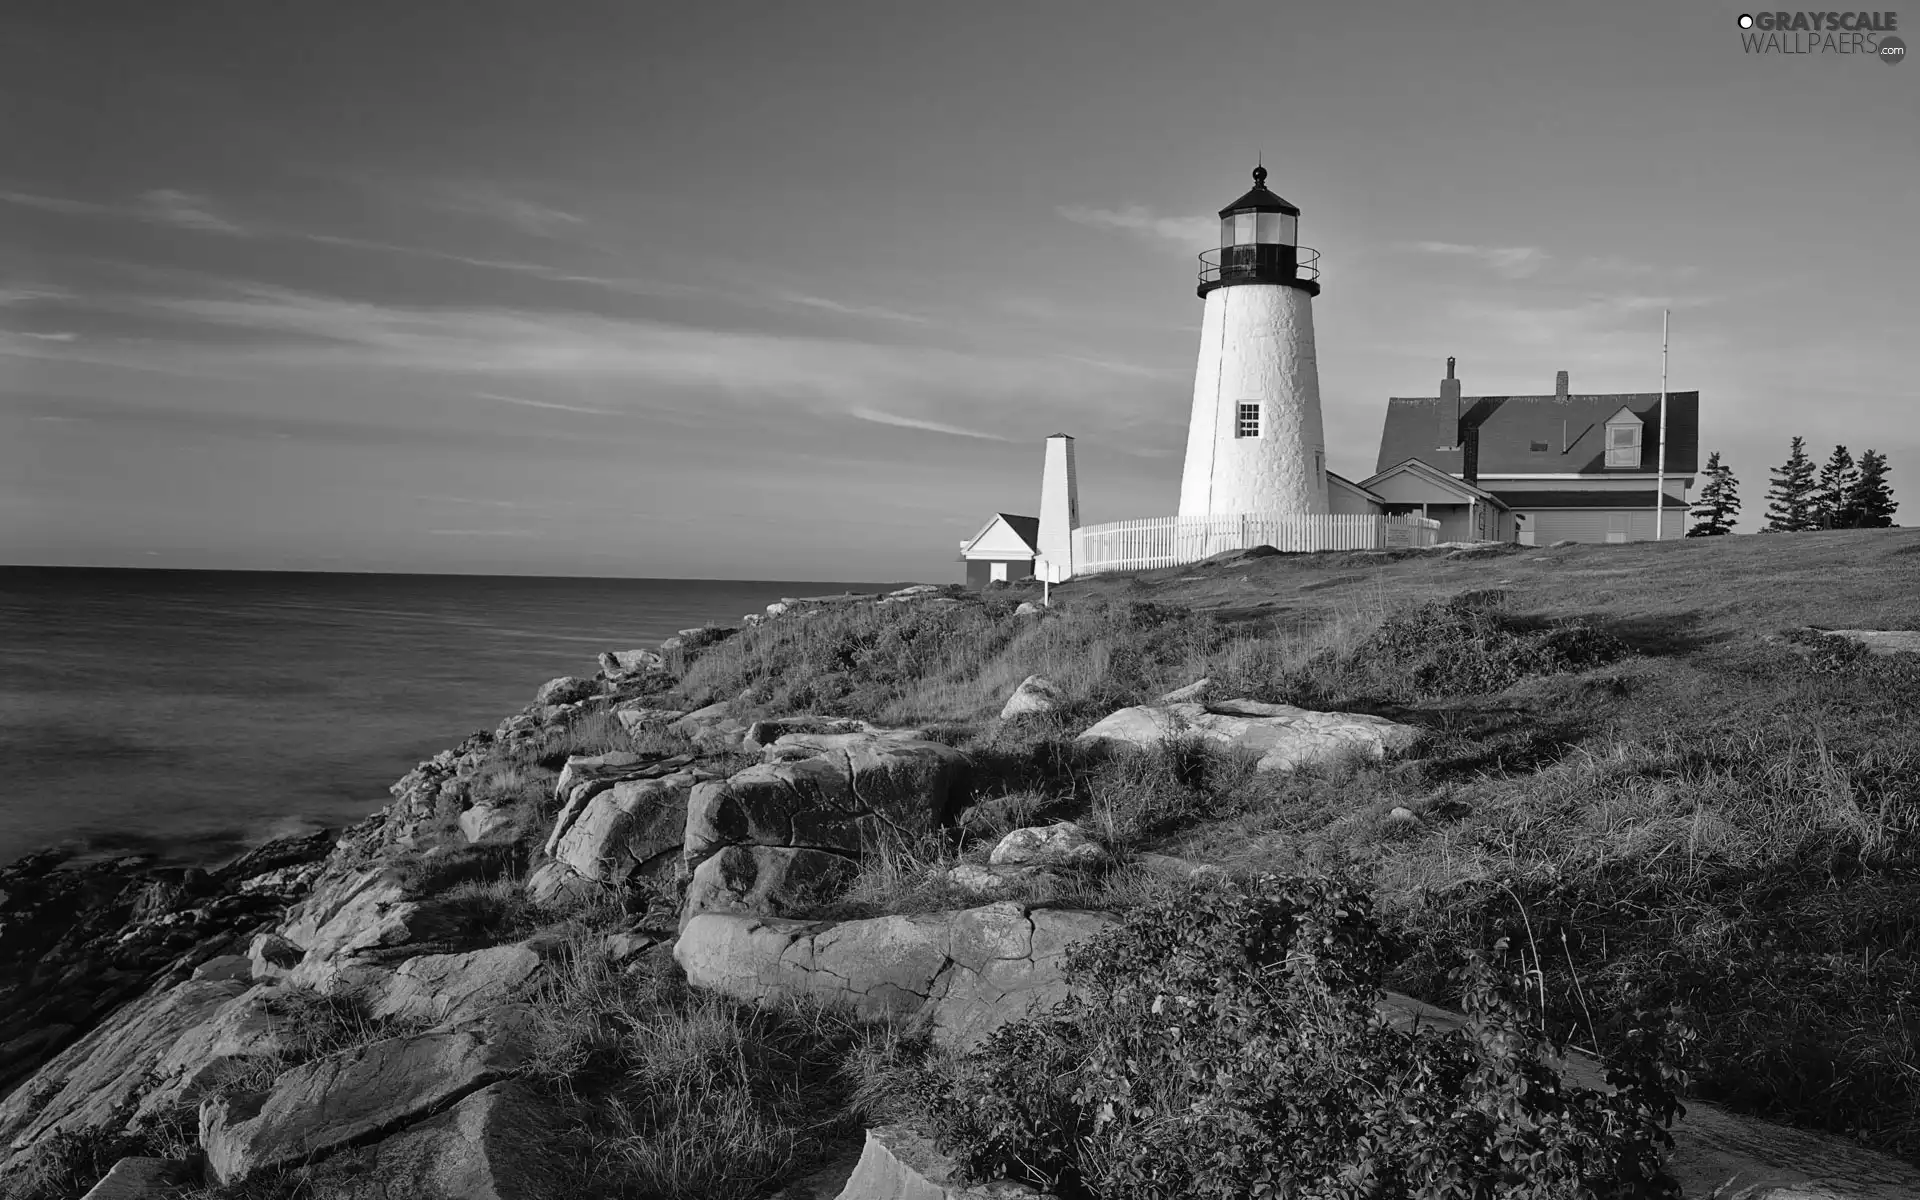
(751, 290)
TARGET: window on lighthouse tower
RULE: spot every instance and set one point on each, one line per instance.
(1248, 424)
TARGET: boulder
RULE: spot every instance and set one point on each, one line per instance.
(1036, 694)
(453, 987)
(916, 589)
(568, 689)
(1286, 738)
(835, 792)
(633, 828)
(272, 956)
(1027, 608)
(1563, 542)
(774, 880)
(583, 778)
(485, 823)
(1061, 845)
(898, 1163)
(497, 1144)
(1001, 882)
(961, 974)
(138, 1179)
(631, 662)
(346, 1097)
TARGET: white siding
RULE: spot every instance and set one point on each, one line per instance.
(1347, 500)
(1256, 344)
(1591, 524)
(1059, 506)
(999, 541)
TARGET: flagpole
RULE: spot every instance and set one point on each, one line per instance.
(1660, 477)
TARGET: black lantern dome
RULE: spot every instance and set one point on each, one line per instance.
(1259, 243)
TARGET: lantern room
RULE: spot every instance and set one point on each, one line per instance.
(1259, 243)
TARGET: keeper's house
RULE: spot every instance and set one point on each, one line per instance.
(1538, 469)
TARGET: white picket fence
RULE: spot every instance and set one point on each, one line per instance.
(1171, 541)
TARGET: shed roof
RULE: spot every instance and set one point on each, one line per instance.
(1508, 426)
(1027, 529)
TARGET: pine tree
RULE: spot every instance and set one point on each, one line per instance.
(1871, 503)
(1719, 501)
(1790, 498)
(1833, 495)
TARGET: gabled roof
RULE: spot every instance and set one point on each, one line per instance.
(1027, 529)
(1333, 477)
(1437, 477)
(1509, 426)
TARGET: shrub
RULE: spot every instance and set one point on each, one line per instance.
(1225, 1041)
(1463, 646)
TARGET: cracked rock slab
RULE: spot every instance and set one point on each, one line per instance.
(349, 1097)
(962, 973)
(774, 880)
(497, 1144)
(1285, 737)
(634, 827)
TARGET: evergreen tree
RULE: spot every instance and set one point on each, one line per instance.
(1871, 503)
(1719, 501)
(1833, 495)
(1790, 499)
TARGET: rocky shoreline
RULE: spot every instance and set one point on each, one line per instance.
(369, 1003)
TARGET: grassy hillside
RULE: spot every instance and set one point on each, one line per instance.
(1690, 810)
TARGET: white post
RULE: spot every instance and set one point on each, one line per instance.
(1660, 477)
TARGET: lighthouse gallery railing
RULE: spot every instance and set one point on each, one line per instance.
(1172, 541)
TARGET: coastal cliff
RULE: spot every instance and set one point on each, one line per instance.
(675, 928)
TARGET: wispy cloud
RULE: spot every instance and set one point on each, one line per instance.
(1511, 262)
(871, 311)
(61, 336)
(36, 294)
(1138, 219)
(186, 210)
(887, 418)
(506, 533)
(528, 216)
(160, 206)
(573, 408)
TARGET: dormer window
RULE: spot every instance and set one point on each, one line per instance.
(1623, 440)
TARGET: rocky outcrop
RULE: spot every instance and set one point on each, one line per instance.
(713, 729)
(837, 792)
(244, 1029)
(452, 987)
(348, 1097)
(497, 1144)
(1286, 738)
(629, 829)
(138, 1179)
(349, 916)
(1036, 694)
(775, 880)
(961, 974)
(898, 1163)
(101, 1076)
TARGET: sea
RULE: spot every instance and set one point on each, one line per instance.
(188, 715)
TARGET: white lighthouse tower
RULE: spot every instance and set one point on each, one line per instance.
(1254, 443)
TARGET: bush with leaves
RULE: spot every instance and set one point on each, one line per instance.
(1225, 1041)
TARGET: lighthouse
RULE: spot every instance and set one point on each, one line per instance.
(1254, 443)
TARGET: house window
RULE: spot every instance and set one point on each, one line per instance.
(1623, 445)
(1538, 447)
(1319, 471)
(1248, 424)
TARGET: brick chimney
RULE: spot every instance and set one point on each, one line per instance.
(1447, 432)
(1560, 386)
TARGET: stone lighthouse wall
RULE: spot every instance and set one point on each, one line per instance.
(1256, 344)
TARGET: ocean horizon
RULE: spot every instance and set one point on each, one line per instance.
(188, 714)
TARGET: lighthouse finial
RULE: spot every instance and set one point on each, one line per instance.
(1260, 172)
